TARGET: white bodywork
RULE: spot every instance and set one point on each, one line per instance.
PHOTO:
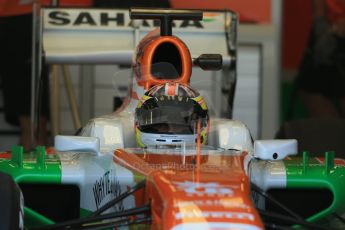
(117, 131)
(77, 143)
(97, 177)
(275, 149)
(114, 131)
(268, 174)
(230, 134)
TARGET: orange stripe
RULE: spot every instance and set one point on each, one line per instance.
(171, 89)
(135, 95)
(201, 101)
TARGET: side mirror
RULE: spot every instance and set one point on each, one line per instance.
(77, 144)
(274, 149)
(209, 61)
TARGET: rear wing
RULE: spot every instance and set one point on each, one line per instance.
(109, 36)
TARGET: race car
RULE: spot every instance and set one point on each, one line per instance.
(163, 162)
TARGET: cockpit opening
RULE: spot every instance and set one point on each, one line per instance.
(166, 62)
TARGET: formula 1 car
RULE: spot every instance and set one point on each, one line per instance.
(163, 162)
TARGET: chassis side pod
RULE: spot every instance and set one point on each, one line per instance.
(304, 173)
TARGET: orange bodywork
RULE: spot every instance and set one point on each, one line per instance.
(215, 195)
(144, 56)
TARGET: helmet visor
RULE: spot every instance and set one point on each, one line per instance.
(167, 120)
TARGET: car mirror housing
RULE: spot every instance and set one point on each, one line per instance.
(275, 149)
(77, 144)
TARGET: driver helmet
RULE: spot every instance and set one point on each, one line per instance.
(168, 114)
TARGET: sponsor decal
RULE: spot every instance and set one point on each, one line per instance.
(215, 215)
(99, 18)
(168, 136)
(105, 186)
(204, 189)
(178, 166)
(228, 203)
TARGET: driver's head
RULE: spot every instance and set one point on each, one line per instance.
(168, 114)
